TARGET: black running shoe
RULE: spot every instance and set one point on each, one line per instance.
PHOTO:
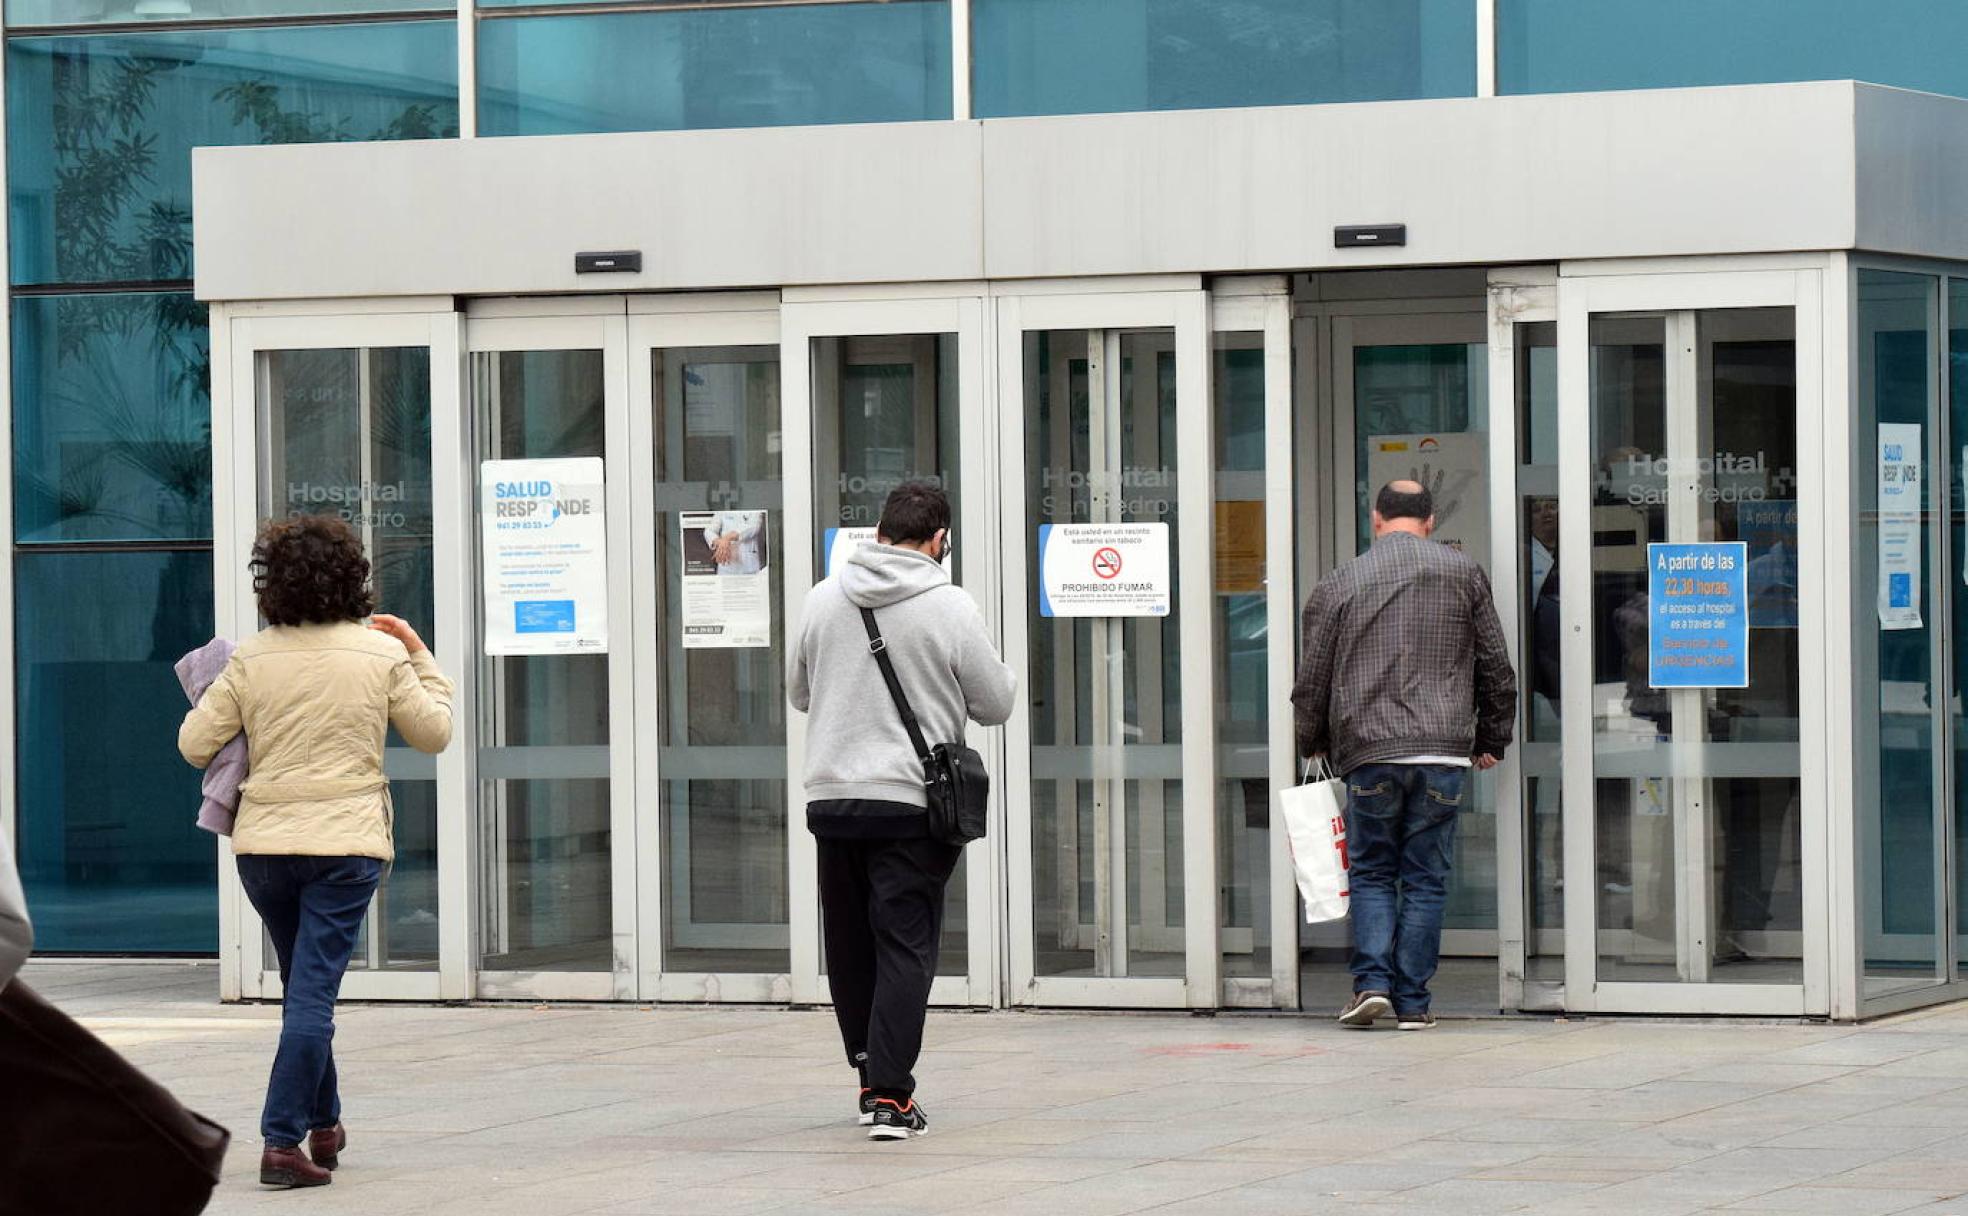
(867, 1106)
(897, 1120)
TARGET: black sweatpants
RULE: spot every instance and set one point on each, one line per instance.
(881, 904)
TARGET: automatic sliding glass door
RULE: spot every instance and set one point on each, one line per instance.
(1109, 597)
(1688, 495)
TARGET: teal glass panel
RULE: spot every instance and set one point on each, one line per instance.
(100, 127)
(1896, 542)
(26, 14)
(112, 418)
(107, 846)
(1096, 56)
(1575, 46)
(722, 67)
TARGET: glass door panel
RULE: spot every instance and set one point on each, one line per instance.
(1540, 760)
(554, 786)
(1414, 396)
(1686, 862)
(1105, 691)
(347, 432)
(721, 765)
(885, 411)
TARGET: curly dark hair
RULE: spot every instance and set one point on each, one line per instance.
(310, 570)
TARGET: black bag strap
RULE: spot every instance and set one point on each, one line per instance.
(879, 648)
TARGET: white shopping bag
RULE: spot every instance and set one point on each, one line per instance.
(1314, 815)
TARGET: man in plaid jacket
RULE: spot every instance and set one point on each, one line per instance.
(1404, 685)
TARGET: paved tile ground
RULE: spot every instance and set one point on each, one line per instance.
(543, 1111)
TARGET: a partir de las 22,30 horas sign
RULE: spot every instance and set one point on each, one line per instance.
(1698, 615)
(1104, 570)
(546, 557)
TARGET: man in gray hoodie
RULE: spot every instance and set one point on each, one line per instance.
(882, 876)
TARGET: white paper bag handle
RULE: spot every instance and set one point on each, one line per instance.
(1315, 768)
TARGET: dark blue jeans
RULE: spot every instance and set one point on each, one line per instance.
(312, 907)
(1400, 839)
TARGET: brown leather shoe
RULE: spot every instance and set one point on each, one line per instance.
(325, 1145)
(290, 1167)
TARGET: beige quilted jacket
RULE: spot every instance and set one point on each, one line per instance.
(316, 702)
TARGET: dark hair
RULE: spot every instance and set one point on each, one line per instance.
(310, 570)
(1417, 503)
(914, 512)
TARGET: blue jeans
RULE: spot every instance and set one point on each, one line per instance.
(1400, 833)
(312, 907)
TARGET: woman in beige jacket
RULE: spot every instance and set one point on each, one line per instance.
(316, 693)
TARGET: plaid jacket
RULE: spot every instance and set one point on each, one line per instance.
(1403, 656)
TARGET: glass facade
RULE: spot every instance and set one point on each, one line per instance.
(107, 849)
(111, 374)
(1090, 56)
(101, 127)
(112, 418)
(714, 67)
(1573, 46)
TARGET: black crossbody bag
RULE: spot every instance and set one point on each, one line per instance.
(959, 789)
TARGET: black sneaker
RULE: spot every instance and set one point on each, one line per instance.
(897, 1120)
(867, 1106)
(1365, 1009)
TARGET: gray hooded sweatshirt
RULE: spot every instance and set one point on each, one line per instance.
(859, 759)
(16, 934)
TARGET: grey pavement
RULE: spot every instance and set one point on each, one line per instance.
(541, 1111)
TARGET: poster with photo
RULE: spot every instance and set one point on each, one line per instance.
(726, 579)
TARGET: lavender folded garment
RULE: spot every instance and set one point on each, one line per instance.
(196, 671)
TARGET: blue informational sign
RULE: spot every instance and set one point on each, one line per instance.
(1698, 615)
(543, 616)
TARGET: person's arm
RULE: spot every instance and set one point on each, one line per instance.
(419, 693)
(16, 932)
(215, 720)
(1312, 692)
(990, 686)
(1496, 683)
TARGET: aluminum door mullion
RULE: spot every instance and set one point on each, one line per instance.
(1506, 448)
(647, 659)
(1693, 904)
(1575, 611)
(796, 471)
(1281, 626)
(454, 569)
(982, 510)
(1021, 906)
(623, 825)
(1195, 541)
(1109, 944)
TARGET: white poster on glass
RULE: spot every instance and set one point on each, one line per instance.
(1455, 469)
(546, 557)
(1104, 570)
(1899, 525)
(726, 580)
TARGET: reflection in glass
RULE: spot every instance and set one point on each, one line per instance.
(1541, 759)
(544, 814)
(100, 127)
(1892, 561)
(1098, 56)
(1565, 46)
(107, 850)
(703, 67)
(1106, 692)
(112, 418)
(348, 434)
(1421, 412)
(1243, 710)
(1699, 876)
(22, 14)
(885, 412)
(723, 756)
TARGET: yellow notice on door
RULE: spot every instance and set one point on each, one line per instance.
(1239, 548)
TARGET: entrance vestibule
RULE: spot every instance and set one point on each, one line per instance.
(626, 825)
